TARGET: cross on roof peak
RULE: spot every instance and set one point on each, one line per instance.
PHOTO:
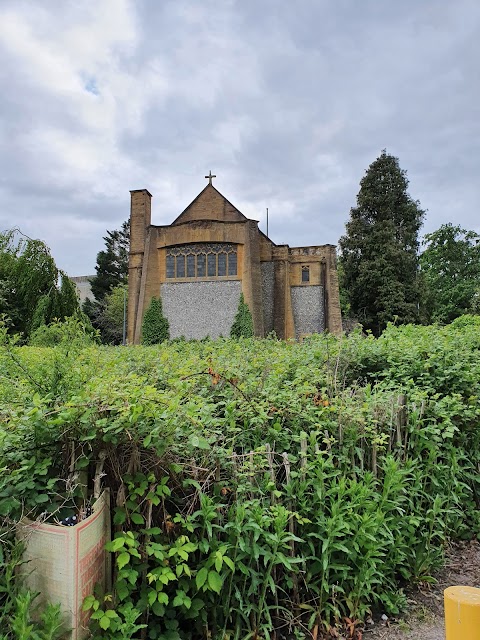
(209, 177)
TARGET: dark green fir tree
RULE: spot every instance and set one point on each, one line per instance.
(379, 251)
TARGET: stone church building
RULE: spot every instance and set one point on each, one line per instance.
(201, 263)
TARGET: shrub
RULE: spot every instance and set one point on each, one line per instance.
(299, 482)
(155, 327)
(73, 331)
(242, 326)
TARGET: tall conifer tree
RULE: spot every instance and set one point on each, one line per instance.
(112, 263)
(380, 248)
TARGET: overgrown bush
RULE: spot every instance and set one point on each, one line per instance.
(74, 330)
(155, 326)
(259, 487)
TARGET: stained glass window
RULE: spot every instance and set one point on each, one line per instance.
(305, 274)
(211, 265)
(222, 264)
(180, 266)
(201, 259)
(232, 264)
(212, 260)
(191, 265)
(170, 266)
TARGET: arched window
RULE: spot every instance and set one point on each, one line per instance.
(305, 274)
(212, 260)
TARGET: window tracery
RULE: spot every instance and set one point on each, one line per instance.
(212, 260)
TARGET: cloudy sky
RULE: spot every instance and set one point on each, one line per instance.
(287, 102)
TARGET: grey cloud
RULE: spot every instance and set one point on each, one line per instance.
(288, 103)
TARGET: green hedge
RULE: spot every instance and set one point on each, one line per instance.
(258, 484)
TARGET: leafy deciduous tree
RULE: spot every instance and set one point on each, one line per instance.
(380, 248)
(451, 271)
(32, 289)
(107, 316)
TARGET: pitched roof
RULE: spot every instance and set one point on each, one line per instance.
(210, 204)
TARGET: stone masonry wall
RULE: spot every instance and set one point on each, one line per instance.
(308, 311)
(200, 309)
(268, 282)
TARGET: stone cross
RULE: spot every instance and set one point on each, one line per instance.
(209, 177)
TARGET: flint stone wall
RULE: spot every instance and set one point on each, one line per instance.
(308, 310)
(196, 310)
(268, 282)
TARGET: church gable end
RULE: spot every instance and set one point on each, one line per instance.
(209, 256)
(210, 204)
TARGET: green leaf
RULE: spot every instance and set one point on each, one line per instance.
(120, 516)
(104, 622)
(122, 589)
(214, 581)
(115, 545)
(158, 609)
(153, 531)
(82, 463)
(178, 600)
(201, 577)
(123, 559)
(199, 442)
(88, 603)
(137, 518)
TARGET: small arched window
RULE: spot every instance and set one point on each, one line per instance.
(305, 274)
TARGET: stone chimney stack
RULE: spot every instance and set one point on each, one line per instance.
(140, 221)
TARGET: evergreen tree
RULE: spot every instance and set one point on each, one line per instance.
(451, 271)
(155, 327)
(242, 326)
(380, 248)
(112, 263)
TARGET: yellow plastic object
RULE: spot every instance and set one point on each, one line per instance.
(462, 613)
